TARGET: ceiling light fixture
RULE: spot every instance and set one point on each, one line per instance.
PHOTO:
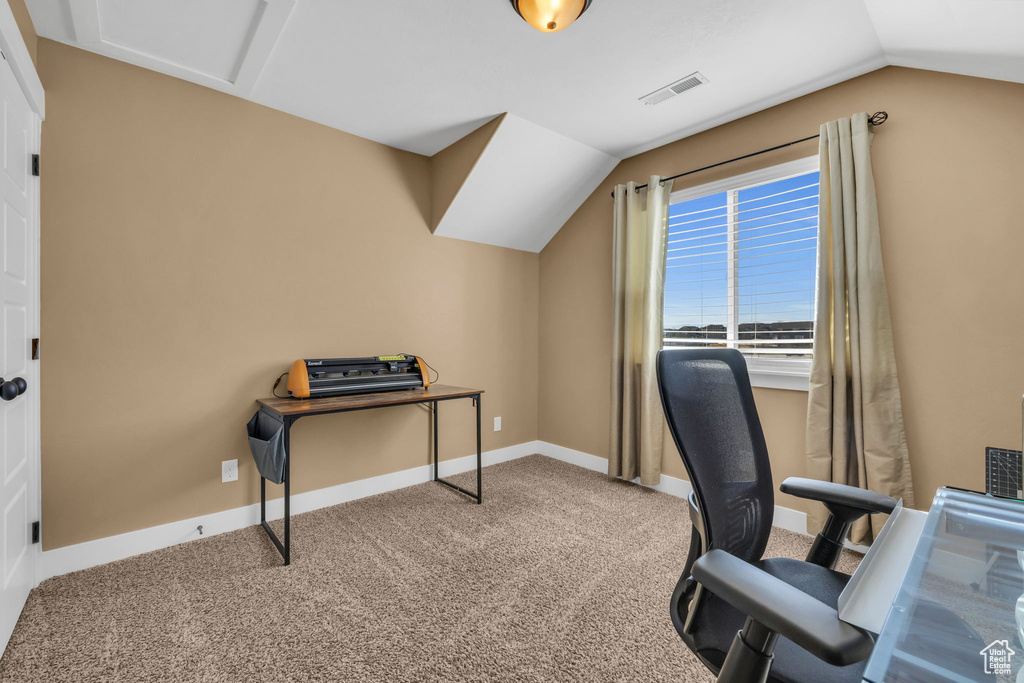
(549, 16)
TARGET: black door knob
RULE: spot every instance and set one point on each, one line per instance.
(8, 391)
(12, 389)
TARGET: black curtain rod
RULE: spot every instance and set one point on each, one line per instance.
(876, 119)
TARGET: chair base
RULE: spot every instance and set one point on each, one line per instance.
(750, 657)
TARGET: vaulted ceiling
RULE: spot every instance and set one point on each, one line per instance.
(420, 75)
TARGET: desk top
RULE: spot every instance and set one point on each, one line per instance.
(296, 407)
(966, 569)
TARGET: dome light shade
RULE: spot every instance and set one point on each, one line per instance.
(549, 16)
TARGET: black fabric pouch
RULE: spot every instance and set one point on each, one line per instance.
(266, 441)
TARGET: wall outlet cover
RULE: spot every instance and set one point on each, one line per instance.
(229, 471)
(497, 424)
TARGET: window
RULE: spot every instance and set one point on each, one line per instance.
(741, 270)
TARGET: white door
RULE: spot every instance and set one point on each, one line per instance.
(19, 323)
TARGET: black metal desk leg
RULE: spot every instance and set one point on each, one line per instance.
(478, 496)
(287, 491)
(433, 407)
(284, 548)
(263, 500)
(479, 456)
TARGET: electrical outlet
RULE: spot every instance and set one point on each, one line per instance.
(229, 471)
(497, 424)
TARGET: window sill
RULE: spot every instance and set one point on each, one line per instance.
(773, 379)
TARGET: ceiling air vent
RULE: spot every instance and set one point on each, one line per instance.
(673, 89)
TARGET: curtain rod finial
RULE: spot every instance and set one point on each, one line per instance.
(878, 118)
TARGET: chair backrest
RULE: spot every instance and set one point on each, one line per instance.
(710, 411)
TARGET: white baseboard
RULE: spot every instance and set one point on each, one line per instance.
(80, 556)
(73, 558)
(790, 520)
(959, 568)
(785, 518)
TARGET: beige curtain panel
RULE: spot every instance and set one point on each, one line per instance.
(855, 431)
(640, 230)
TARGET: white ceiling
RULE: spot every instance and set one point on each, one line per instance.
(972, 37)
(419, 75)
(505, 202)
(209, 46)
(222, 44)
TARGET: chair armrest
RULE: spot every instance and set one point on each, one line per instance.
(786, 610)
(839, 495)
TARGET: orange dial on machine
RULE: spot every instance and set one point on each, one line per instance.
(318, 377)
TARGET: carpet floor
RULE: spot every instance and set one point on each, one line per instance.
(561, 575)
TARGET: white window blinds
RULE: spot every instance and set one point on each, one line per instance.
(741, 266)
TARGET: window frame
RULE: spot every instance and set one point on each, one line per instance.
(764, 372)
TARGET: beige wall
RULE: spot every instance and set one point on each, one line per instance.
(25, 25)
(948, 165)
(450, 167)
(194, 245)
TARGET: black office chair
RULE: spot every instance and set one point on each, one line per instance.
(786, 608)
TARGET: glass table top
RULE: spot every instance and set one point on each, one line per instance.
(959, 614)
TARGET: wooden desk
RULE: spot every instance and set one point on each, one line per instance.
(288, 410)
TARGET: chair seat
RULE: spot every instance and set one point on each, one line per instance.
(718, 622)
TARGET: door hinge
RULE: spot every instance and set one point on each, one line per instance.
(35, 348)
(35, 532)
(35, 164)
